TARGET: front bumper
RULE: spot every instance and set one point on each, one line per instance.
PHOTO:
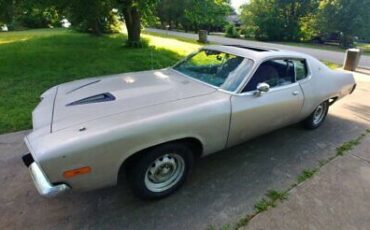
(42, 183)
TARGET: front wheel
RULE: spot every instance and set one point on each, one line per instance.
(161, 171)
(317, 117)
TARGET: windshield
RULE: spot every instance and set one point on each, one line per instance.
(216, 68)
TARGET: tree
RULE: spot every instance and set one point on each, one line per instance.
(133, 12)
(171, 12)
(28, 13)
(205, 14)
(348, 17)
(277, 19)
(6, 11)
(92, 16)
(193, 14)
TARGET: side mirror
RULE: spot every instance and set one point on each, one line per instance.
(262, 88)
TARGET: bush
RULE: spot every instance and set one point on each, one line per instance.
(39, 18)
(231, 31)
(249, 32)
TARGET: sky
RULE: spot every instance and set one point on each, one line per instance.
(237, 3)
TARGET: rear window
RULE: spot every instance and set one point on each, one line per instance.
(300, 69)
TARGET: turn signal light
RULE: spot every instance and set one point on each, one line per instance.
(76, 172)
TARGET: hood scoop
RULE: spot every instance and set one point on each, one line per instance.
(82, 86)
(104, 97)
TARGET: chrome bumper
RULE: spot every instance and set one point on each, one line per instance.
(42, 183)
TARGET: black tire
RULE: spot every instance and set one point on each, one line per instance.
(312, 122)
(140, 172)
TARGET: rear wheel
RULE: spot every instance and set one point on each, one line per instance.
(317, 117)
(161, 171)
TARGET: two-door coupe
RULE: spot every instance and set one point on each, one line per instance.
(151, 125)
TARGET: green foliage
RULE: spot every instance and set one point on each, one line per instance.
(277, 20)
(231, 31)
(293, 20)
(193, 14)
(350, 17)
(39, 17)
(204, 14)
(92, 16)
(28, 14)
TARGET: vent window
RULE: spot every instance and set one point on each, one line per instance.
(104, 97)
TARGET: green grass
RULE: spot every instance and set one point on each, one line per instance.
(349, 145)
(270, 200)
(331, 65)
(306, 174)
(35, 60)
(365, 47)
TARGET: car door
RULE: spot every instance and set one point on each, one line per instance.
(254, 114)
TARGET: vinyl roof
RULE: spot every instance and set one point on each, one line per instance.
(255, 53)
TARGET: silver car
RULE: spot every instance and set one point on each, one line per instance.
(152, 125)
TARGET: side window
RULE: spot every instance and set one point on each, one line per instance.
(276, 72)
(300, 69)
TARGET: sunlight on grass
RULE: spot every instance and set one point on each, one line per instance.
(365, 47)
(180, 47)
(21, 36)
(7, 41)
(331, 65)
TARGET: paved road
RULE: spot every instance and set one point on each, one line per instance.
(325, 55)
(222, 188)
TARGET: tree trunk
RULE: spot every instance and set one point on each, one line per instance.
(133, 25)
(96, 27)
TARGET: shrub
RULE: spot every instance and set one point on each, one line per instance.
(231, 31)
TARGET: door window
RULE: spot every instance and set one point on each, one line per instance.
(276, 72)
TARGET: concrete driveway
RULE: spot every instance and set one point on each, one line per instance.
(325, 55)
(222, 188)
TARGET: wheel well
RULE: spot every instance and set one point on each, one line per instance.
(194, 144)
(332, 100)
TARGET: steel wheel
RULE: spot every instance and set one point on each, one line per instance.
(160, 171)
(164, 172)
(317, 117)
(319, 114)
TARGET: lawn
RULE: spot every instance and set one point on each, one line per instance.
(33, 61)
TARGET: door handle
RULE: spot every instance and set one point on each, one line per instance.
(295, 93)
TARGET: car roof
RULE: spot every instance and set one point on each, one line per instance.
(255, 53)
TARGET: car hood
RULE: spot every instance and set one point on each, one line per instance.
(83, 100)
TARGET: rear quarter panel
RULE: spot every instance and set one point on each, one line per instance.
(323, 84)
